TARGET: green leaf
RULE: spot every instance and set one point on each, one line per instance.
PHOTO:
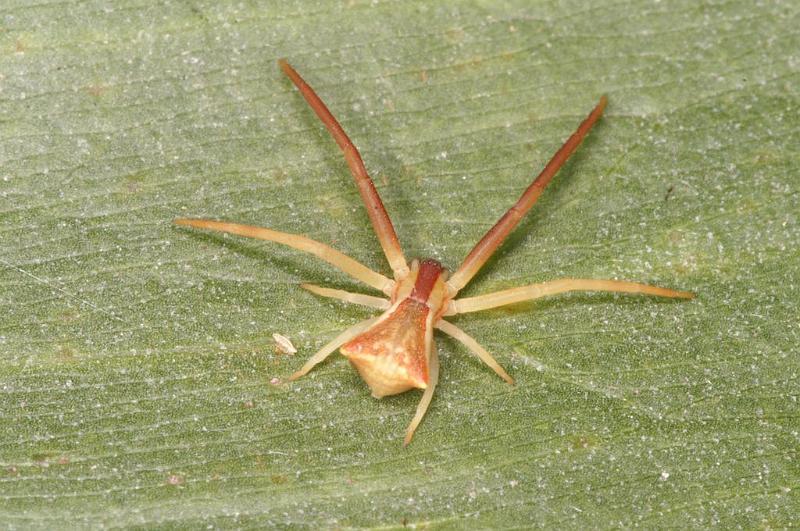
(140, 381)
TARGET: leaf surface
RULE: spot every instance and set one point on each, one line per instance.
(141, 385)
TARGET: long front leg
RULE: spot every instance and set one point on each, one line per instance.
(536, 291)
(337, 259)
(375, 209)
(497, 234)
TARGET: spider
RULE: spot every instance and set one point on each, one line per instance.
(394, 352)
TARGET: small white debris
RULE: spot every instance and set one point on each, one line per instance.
(664, 475)
(283, 344)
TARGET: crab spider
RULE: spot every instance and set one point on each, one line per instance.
(395, 352)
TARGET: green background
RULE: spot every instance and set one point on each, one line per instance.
(137, 363)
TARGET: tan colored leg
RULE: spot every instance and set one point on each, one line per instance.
(456, 333)
(497, 234)
(535, 291)
(339, 260)
(337, 342)
(355, 298)
(427, 396)
(375, 209)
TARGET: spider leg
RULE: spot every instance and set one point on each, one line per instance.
(425, 401)
(497, 234)
(375, 209)
(536, 291)
(355, 298)
(456, 333)
(337, 342)
(337, 259)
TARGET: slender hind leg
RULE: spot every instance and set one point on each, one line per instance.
(497, 234)
(425, 401)
(456, 333)
(536, 291)
(375, 209)
(337, 342)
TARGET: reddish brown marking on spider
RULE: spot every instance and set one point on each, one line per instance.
(429, 272)
(395, 352)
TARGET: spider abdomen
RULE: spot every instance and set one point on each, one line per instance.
(392, 355)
